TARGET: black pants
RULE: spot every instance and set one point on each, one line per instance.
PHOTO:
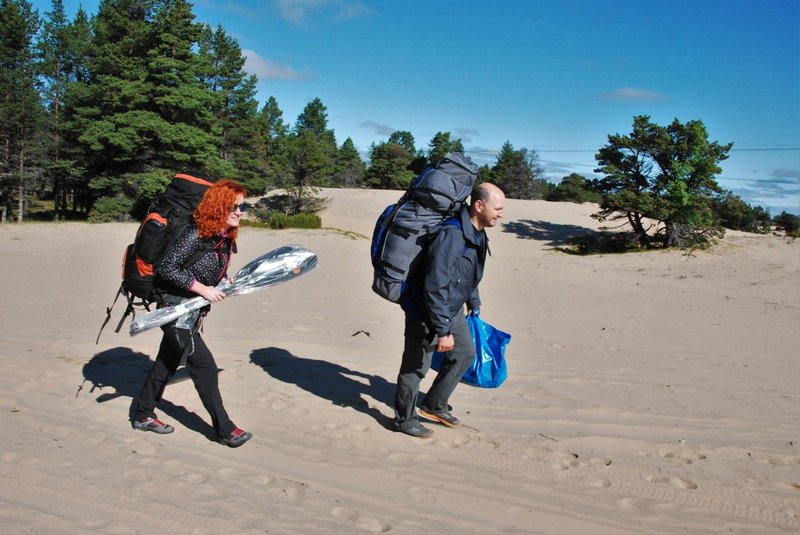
(202, 368)
(419, 347)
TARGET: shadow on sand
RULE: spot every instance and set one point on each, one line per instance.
(555, 235)
(338, 384)
(123, 371)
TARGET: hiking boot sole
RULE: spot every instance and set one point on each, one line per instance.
(440, 419)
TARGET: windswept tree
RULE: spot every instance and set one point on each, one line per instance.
(661, 180)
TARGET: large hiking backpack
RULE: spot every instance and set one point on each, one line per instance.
(404, 228)
(166, 218)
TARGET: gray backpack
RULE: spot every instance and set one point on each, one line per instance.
(404, 228)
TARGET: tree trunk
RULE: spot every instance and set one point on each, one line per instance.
(21, 205)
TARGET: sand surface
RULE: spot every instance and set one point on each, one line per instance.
(652, 393)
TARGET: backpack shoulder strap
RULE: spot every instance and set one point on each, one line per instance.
(452, 222)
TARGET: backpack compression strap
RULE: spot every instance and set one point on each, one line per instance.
(194, 179)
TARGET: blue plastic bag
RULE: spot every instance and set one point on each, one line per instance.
(488, 368)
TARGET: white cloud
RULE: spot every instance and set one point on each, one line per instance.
(299, 12)
(466, 134)
(265, 69)
(380, 129)
(633, 94)
(785, 172)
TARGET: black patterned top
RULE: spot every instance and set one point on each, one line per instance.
(176, 272)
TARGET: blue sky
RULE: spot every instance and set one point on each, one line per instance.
(555, 76)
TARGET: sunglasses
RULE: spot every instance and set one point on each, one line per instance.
(241, 207)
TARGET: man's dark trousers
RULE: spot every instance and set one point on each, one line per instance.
(420, 344)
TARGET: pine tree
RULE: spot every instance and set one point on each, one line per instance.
(20, 104)
(312, 151)
(518, 173)
(235, 109)
(441, 144)
(349, 169)
(273, 135)
(388, 168)
(181, 118)
(55, 66)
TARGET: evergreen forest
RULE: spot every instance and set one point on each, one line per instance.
(97, 114)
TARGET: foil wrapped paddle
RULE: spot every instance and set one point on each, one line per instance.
(275, 267)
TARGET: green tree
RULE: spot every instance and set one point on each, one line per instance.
(64, 165)
(518, 173)
(661, 174)
(734, 213)
(388, 167)
(405, 139)
(144, 109)
(790, 223)
(312, 153)
(54, 72)
(310, 161)
(20, 104)
(574, 188)
(314, 120)
(441, 144)
(108, 118)
(349, 171)
(182, 134)
(235, 108)
(274, 138)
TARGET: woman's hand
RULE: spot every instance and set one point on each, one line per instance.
(209, 293)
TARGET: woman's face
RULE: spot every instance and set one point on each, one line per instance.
(235, 213)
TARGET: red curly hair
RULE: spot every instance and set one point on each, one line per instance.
(211, 214)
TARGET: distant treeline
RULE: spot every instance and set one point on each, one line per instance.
(97, 113)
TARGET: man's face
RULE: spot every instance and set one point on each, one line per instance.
(492, 210)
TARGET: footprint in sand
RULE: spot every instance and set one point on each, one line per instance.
(675, 481)
(263, 479)
(10, 457)
(783, 461)
(174, 468)
(565, 461)
(682, 457)
(363, 522)
(141, 447)
(195, 477)
(294, 490)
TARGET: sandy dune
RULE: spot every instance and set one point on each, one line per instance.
(649, 393)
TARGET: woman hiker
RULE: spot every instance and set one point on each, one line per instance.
(194, 265)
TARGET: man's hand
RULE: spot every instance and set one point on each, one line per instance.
(446, 343)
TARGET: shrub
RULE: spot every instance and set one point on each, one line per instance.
(108, 209)
(278, 220)
(789, 223)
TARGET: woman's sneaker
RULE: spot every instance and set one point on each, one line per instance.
(153, 424)
(236, 438)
